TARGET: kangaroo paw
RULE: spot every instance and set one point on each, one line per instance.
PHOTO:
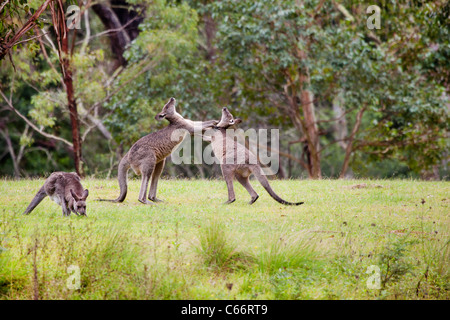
(229, 201)
(145, 201)
(155, 199)
(254, 199)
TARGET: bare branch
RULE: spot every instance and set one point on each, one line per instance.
(4, 4)
(22, 147)
(147, 67)
(338, 118)
(49, 156)
(32, 125)
(5, 135)
(35, 37)
(88, 31)
(107, 31)
(349, 148)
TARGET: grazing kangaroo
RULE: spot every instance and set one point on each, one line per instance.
(229, 165)
(147, 156)
(66, 190)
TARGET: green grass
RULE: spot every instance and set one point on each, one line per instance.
(193, 247)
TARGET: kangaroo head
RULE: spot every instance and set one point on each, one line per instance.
(79, 203)
(227, 120)
(168, 112)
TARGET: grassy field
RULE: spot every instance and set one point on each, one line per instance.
(352, 239)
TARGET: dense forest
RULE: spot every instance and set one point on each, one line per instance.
(356, 89)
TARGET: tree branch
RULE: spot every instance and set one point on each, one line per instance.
(4, 4)
(32, 125)
(5, 48)
(349, 148)
(5, 135)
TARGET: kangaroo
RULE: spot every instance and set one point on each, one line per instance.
(148, 155)
(231, 168)
(66, 190)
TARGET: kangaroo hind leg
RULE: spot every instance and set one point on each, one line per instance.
(228, 175)
(154, 182)
(146, 173)
(246, 184)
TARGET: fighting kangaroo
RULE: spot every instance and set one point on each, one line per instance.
(66, 190)
(147, 156)
(240, 169)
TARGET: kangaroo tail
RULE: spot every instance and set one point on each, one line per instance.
(40, 195)
(265, 183)
(124, 166)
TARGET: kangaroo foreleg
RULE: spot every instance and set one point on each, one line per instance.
(64, 206)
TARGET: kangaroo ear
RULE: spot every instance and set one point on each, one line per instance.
(74, 195)
(237, 120)
(85, 194)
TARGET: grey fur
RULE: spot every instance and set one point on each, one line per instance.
(147, 156)
(229, 161)
(65, 189)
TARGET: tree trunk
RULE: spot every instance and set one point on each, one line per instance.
(119, 39)
(126, 12)
(349, 149)
(74, 123)
(310, 127)
(72, 104)
(340, 126)
(123, 21)
(306, 124)
(431, 174)
(62, 33)
(210, 33)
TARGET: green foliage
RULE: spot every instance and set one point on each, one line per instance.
(218, 250)
(393, 262)
(252, 57)
(42, 109)
(261, 43)
(166, 47)
(11, 10)
(286, 252)
(89, 81)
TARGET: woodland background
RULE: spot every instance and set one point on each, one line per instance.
(349, 101)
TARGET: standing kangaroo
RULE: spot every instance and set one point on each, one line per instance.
(229, 165)
(66, 190)
(147, 156)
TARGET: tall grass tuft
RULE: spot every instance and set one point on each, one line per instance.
(283, 251)
(218, 251)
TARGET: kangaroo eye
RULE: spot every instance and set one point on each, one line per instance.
(232, 121)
